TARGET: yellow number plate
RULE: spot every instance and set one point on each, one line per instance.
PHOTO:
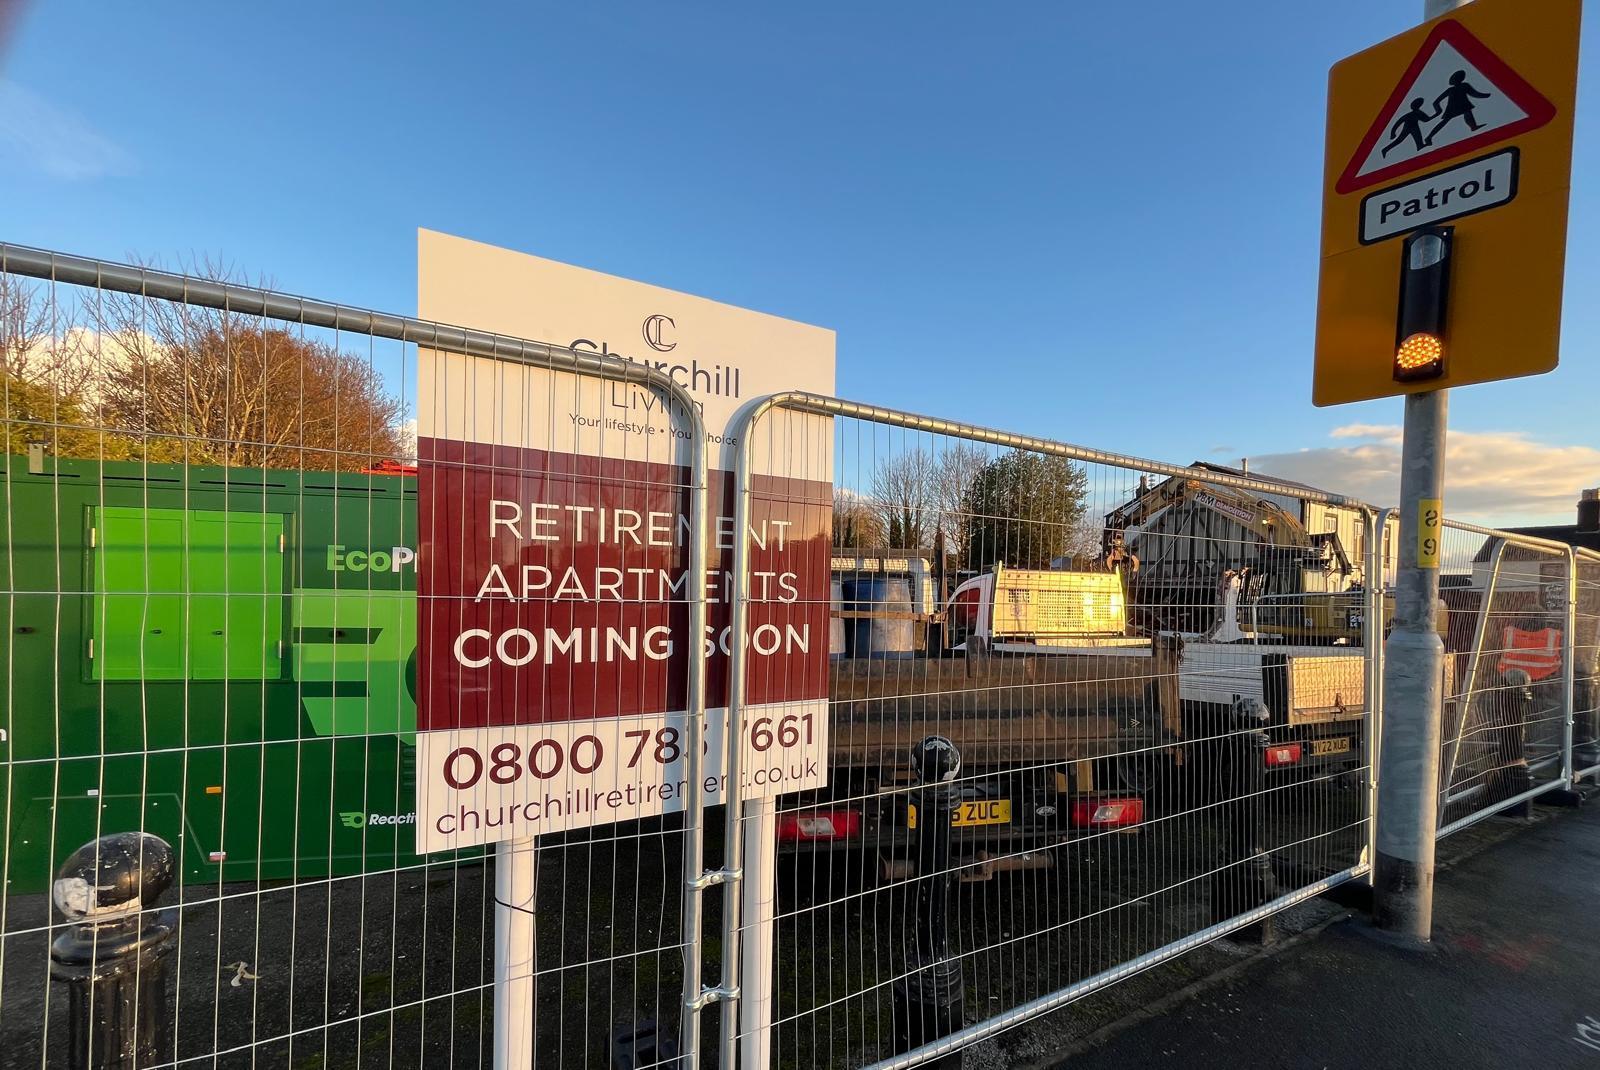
(1339, 745)
(983, 812)
(972, 812)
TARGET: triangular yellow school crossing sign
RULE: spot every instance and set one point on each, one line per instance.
(1464, 125)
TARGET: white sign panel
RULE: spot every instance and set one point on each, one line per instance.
(1440, 197)
(553, 586)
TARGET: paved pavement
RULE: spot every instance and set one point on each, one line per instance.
(1513, 979)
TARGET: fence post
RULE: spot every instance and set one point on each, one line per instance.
(1569, 650)
(1372, 644)
(1567, 795)
(1583, 690)
(111, 956)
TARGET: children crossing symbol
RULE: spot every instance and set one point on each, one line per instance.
(1456, 97)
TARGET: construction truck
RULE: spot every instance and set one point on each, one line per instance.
(1185, 542)
(1315, 694)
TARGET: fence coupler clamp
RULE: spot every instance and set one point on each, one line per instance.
(713, 995)
(716, 876)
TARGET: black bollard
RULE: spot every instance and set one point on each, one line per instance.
(929, 1000)
(1245, 879)
(111, 954)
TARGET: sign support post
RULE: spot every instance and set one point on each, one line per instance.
(516, 880)
(1408, 782)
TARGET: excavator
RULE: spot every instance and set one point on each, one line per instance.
(1215, 563)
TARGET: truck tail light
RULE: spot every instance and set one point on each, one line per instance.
(1107, 813)
(1283, 754)
(811, 825)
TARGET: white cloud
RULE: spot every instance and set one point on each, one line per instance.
(1494, 477)
(1387, 432)
(53, 141)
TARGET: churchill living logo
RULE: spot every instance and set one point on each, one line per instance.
(655, 333)
(659, 332)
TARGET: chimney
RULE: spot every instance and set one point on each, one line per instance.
(1244, 465)
(1589, 510)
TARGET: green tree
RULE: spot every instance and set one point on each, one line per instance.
(1023, 509)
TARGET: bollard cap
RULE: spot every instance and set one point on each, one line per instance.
(936, 760)
(1251, 713)
(113, 877)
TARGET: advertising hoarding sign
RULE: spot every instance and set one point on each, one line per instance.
(553, 585)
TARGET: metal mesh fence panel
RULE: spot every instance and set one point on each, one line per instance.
(209, 546)
(1505, 620)
(1082, 709)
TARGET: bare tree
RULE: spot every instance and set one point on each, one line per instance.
(44, 376)
(903, 489)
(207, 386)
(40, 343)
(955, 471)
(856, 523)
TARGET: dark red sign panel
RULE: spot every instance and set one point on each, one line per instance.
(555, 587)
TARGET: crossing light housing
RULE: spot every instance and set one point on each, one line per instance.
(1419, 342)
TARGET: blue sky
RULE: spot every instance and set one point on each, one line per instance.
(1093, 222)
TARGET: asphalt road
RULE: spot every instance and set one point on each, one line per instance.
(1513, 979)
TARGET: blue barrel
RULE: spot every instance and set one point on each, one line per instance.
(836, 643)
(876, 637)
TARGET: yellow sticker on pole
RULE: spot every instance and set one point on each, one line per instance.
(1430, 525)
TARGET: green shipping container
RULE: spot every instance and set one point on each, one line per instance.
(225, 658)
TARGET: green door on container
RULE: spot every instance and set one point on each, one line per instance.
(186, 594)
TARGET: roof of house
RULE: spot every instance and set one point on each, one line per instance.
(1566, 533)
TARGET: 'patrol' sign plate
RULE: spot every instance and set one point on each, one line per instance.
(1438, 198)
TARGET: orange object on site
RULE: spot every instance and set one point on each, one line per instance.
(1537, 653)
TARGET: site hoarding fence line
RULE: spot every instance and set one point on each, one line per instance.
(1029, 946)
(1520, 640)
(1097, 636)
(299, 691)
